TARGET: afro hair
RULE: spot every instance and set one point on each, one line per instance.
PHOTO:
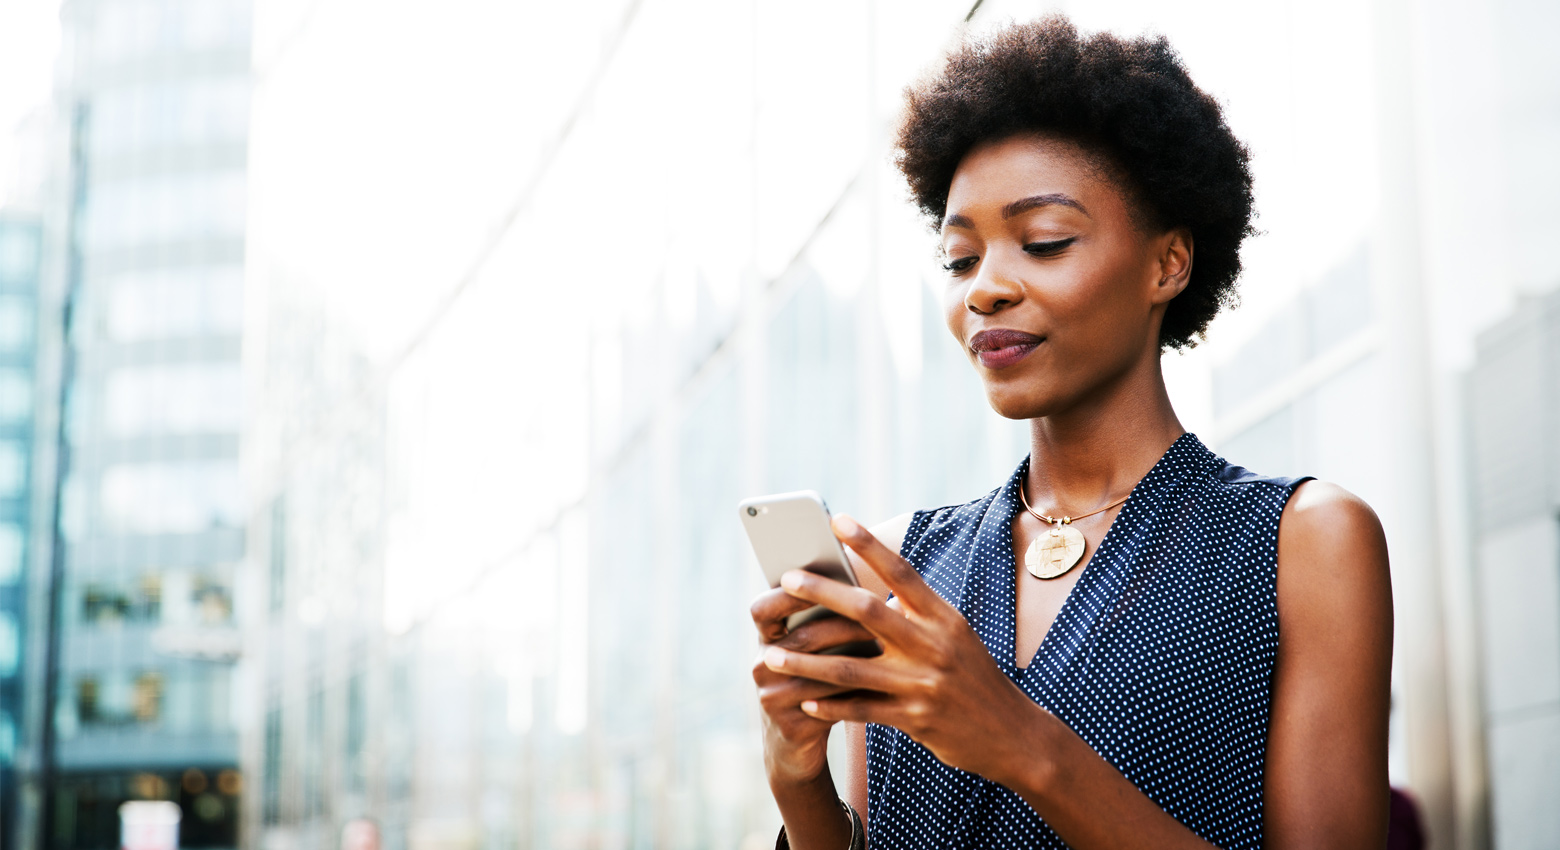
(1130, 101)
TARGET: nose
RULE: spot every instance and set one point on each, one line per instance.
(992, 289)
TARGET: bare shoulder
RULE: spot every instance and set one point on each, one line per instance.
(1322, 522)
(890, 533)
(1332, 557)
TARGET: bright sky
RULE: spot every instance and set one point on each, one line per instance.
(29, 37)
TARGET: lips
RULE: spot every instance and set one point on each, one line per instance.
(1001, 347)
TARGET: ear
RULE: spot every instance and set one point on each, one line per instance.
(1175, 264)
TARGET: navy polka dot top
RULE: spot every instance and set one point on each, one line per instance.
(1161, 658)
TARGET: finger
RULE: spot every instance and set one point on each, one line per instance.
(777, 690)
(770, 611)
(895, 571)
(858, 707)
(855, 603)
(826, 633)
(839, 670)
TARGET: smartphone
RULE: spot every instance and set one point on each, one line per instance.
(790, 531)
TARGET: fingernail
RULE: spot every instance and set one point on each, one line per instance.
(774, 657)
(846, 525)
(791, 580)
(810, 706)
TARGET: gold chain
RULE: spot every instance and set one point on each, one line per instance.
(1066, 520)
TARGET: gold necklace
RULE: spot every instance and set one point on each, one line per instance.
(1055, 552)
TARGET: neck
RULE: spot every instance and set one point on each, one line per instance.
(1096, 451)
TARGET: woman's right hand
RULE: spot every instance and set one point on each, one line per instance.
(795, 745)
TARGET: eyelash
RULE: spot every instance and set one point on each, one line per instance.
(1038, 249)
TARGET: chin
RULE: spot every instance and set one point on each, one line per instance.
(1012, 404)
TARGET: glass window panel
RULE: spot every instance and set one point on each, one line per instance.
(10, 644)
(166, 208)
(186, 112)
(13, 468)
(206, 25)
(181, 398)
(16, 323)
(146, 698)
(125, 29)
(170, 304)
(15, 396)
(18, 254)
(10, 553)
(172, 498)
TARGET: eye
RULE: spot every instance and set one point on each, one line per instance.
(1046, 249)
(960, 265)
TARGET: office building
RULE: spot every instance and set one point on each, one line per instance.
(20, 241)
(146, 253)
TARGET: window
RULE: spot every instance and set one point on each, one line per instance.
(278, 556)
(172, 498)
(18, 255)
(105, 604)
(10, 553)
(13, 468)
(166, 208)
(182, 398)
(313, 753)
(271, 795)
(15, 396)
(147, 697)
(187, 112)
(16, 323)
(176, 303)
(357, 733)
(213, 601)
(126, 28)
(7, 738)
(10, 645)
(87, 700)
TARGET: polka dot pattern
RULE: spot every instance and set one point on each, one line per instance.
(1161, 658)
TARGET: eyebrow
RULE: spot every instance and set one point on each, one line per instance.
(1020, 206)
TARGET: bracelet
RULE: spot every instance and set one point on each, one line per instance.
(858, 834)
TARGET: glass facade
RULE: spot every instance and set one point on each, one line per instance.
(20, 254)
(151, 510)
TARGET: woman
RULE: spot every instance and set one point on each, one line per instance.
(1131, 642)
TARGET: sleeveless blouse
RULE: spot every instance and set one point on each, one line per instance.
(1161, 657)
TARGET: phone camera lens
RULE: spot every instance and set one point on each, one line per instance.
(752, 511)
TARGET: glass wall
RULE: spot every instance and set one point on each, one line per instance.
(149, 264)
(20, 249)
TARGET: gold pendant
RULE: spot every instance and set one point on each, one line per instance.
(1054, 552)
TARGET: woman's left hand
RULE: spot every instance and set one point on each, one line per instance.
(935, 680)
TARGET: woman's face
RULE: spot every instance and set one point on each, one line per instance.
(1053, 290)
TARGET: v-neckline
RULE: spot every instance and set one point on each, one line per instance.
(1102, 554)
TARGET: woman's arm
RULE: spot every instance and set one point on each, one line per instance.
(935, 667)
(1326, 779)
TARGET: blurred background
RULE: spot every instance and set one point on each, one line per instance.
(378, 379)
